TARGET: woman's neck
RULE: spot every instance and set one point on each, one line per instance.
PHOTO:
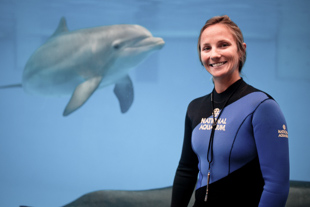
(222, 84)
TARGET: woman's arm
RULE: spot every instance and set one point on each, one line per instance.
(270, 133)
(187, 171)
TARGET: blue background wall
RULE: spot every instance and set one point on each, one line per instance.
(48, 160)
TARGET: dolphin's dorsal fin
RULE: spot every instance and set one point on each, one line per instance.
(62, 27)
(81, 94)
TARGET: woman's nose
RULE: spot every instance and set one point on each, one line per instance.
(214, 54)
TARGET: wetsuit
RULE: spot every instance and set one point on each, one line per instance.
(250, 164)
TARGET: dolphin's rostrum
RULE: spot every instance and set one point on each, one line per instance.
(78, 62)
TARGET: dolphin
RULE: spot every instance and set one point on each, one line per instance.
(78, 62)
(161, 197)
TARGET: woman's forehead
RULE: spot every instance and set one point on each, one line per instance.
(217, 32)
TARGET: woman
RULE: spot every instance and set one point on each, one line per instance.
(235, 137)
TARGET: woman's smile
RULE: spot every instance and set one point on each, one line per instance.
(217, 64)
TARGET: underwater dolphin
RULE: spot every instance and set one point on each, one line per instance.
(161, 197)
(78, 62)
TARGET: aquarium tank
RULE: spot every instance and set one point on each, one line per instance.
(58, 144)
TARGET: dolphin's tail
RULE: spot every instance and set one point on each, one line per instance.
(12, 86)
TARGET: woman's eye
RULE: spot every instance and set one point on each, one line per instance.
(206, 48)
(224, 45)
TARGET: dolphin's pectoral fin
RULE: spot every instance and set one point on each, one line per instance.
(81, 94)
(124, 92)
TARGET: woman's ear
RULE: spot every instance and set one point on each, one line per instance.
(244, 45)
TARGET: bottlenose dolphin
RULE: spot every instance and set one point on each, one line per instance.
(298, 196)
(78, 62)
(161, 197)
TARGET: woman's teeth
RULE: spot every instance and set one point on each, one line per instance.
(217, 64)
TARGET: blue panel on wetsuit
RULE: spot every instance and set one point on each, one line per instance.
(234, 144)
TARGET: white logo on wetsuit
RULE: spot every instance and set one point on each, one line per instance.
(283, 132)
(216, 112)
(206, 123)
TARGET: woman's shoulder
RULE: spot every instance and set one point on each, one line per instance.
(249, 89)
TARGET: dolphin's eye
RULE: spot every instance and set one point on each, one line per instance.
(116, 46)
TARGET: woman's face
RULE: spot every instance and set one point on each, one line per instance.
(219, 52)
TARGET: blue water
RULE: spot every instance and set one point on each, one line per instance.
(49, 160)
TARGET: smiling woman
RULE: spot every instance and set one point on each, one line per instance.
(232, 138)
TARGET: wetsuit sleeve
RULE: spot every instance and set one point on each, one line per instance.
(187, 171)
(271, 139)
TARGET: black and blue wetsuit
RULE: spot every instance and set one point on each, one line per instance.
(250, 164)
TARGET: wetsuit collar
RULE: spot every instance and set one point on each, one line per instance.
(220, 97)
